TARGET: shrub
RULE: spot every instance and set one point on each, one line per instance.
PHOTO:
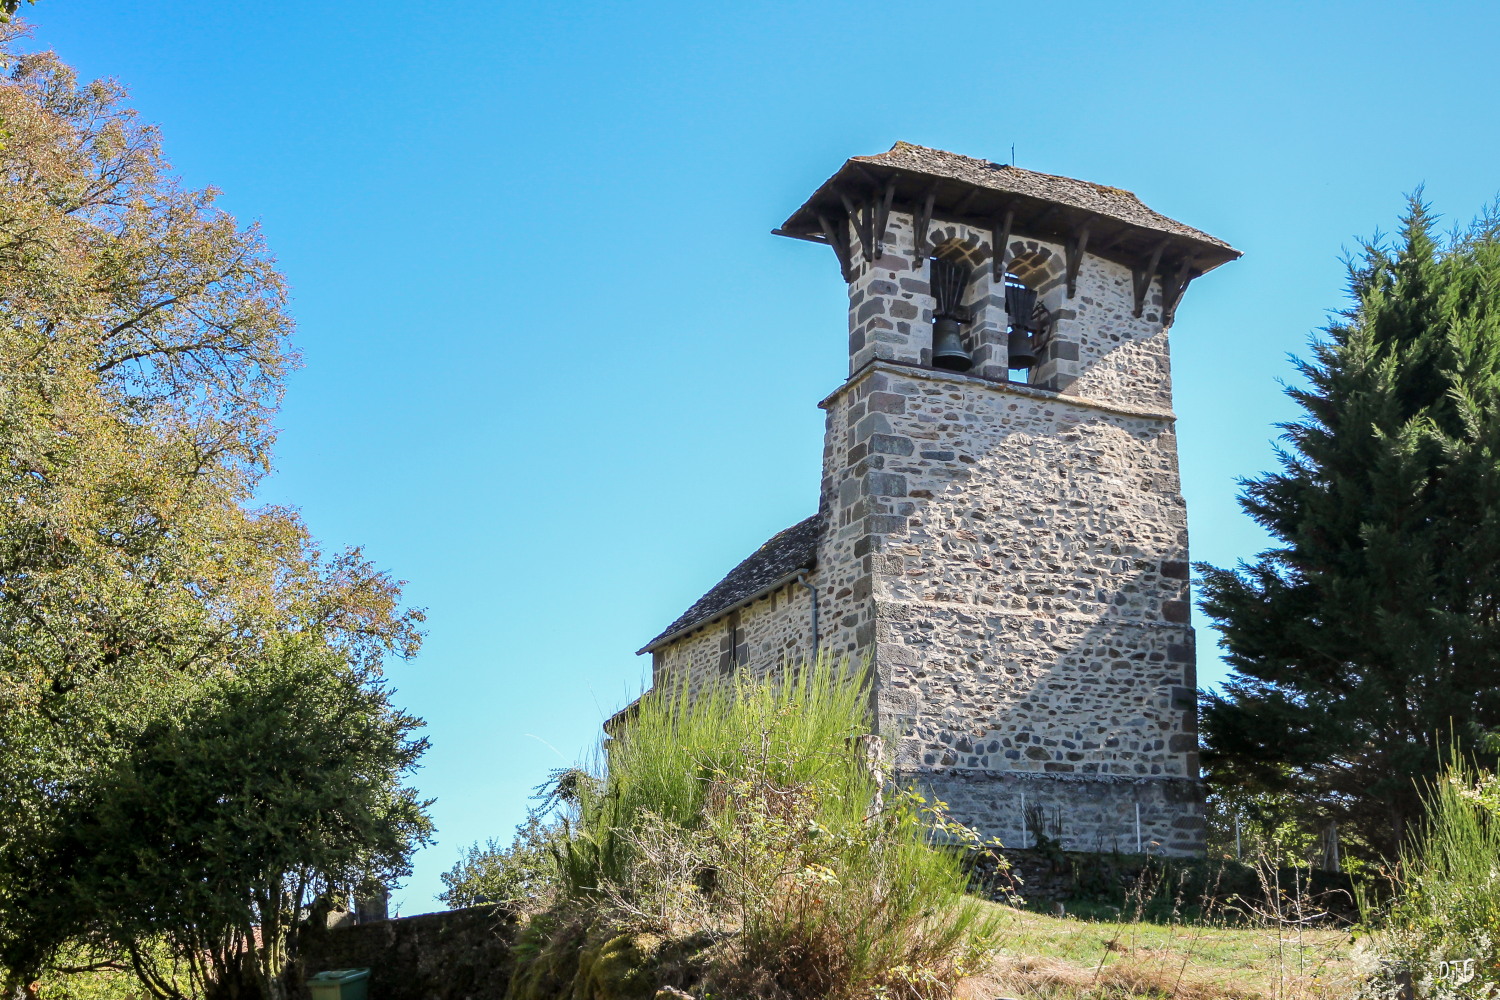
(1443, 926)
(753, 817)
(523, 874)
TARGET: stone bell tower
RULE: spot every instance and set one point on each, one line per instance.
(1001, 529)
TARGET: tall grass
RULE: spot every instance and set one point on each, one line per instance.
(1443, 926)
(753, 814)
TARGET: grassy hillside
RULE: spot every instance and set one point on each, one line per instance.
(1070, 958)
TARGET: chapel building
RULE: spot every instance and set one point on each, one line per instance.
(1000, 530)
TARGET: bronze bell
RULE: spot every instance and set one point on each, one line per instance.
(947, 347)
(949, 279)
(1020, 306)
(1022, 347)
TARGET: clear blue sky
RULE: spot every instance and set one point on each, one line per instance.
(560, 377)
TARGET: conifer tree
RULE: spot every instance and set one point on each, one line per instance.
(1368, 639)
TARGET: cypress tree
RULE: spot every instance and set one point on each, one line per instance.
(1366, 641)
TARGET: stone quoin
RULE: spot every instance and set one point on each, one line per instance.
(1007, 545)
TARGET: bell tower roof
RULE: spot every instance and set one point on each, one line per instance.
(958, 188)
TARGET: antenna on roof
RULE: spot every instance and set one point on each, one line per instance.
(1012, 154)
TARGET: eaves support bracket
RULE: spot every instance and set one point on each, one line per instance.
(1141, 277)
(1077, 245)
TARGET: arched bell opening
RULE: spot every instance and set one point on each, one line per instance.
(952, 267)
(1030, 323)
(1025, 321)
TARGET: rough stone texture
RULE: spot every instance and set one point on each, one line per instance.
(450, 955)
(1020, 576)
(1011, 556)
(761, 637)
(1082, 814)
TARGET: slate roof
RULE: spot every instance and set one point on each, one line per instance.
(782, 556)
(1046, 203)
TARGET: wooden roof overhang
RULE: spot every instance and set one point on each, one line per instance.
(1008, 202)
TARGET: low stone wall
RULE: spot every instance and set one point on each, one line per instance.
(1085, 814)
(450, 955)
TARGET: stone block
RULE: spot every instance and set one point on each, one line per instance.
(1183, 743)
(891, 444)
(885, 524)
(885, 484)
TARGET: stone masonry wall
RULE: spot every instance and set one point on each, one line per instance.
(449, 955)
(1122, 360)
(757, 639)
(1016, 558)
(1103, 816)
(1011, 557)
(1019, 559)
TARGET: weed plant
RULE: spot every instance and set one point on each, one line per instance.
(753, 817)
(1442, 930)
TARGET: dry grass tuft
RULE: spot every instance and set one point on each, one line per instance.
(1052, 958)
(1135, 976)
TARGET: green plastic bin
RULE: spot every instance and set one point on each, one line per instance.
(340, 984)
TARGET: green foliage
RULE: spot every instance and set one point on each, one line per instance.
(1369, 633)
(144, 340)
(522, 874)
(1447, 905)
(752, 815)
(1244, 824)
(85, 974)
(231, 811)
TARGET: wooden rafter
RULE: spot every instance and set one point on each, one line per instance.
(839, 240)
(1078, 243)
(1172, 286)
(883, 218)
(863, 219)
(1038, 224)
(922, 223)
(962, 208)
(1143, 276)
(1000, 241)
(1109, 242)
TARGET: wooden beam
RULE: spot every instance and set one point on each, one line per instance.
(840, 243)
(863, 223)
(1102, 247)
(1143, 276)
(962, 207)
(1000, 241)
(1038, 225)
(920, 225)
(809, 237)
(1172, 287)
(1078, 243)
(884, 217)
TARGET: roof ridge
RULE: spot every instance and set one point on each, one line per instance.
(783, 554)
(902, 144)
(1046, 206)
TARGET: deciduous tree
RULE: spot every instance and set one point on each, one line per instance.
(243, 798)
(144, 338)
